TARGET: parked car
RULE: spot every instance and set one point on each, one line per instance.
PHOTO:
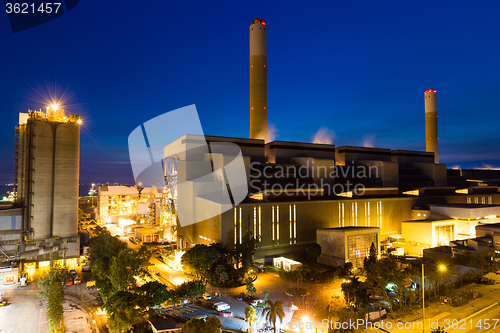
(240, 297)
(72, 273)
(206, 297)
(260, 267)
(226, 313)
(256, 302)
(221, 306)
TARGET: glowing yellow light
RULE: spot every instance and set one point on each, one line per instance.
(44, 264)
(55, 107)
(79, 121)
(442, 268)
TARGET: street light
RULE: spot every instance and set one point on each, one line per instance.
(442, 268)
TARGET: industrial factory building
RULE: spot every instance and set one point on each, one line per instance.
(300, 192)
(44, 220)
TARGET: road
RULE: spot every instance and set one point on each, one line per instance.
(486, 320)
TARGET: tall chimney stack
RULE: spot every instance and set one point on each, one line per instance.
(431, 127)
(258, 80)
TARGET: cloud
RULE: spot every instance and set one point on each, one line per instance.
(272, 133)
(324, 135)
(369, 140)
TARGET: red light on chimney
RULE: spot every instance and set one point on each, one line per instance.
(264, 107)
(264, 65)
(263, 22)
(252, 108)
(251, 66)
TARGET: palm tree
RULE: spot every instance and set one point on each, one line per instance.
(273, 311)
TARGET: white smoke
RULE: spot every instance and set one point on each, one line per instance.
(369, 140)
(272, 133)
(324, 135)
(456, 167)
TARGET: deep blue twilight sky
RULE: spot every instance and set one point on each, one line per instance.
(358, 68)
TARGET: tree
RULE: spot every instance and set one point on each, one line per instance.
(55, 299)
(198, 260)
(250, 316)
(221, 274)
(191, 289)
(126, 309)
(155, 293)
(265, 295)
(372, 258)
(273, 311)
(250, 287)
(313, 251)
(244, 252)
(52, 286)
(210, 325)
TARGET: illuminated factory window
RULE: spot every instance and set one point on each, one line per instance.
(379, 214)
(294, 224)
(444, 234)
(476, 200)
(354, 214)
(342, 219)
(235, 228)
(469, 200)
(367, 214)
(290, 215)
(483, 200)
(340, 215)
(490, 200)
(255, 222)
(260, 224)
(273, 222)
(278, 223)
(240, 225)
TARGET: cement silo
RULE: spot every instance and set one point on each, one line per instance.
(42, 180)
(258, 80)
(48, 174)
(66, 178)
(431, 126)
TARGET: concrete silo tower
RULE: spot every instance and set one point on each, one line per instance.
(431, 126)
(258, 80)
(47, 177)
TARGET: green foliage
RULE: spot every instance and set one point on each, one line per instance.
(191, 290)
(265, 295)
(273, 312)
(250, 316)
(244, 252)
(372, 258)
(215, 263)
(313, 251)
(155, 293)
(346, 270)
(114, 268)
(250, 287)
(221, 274)
(210, 325)
(52, 289)
(305, 272)
(198, 260)
(125, 309)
